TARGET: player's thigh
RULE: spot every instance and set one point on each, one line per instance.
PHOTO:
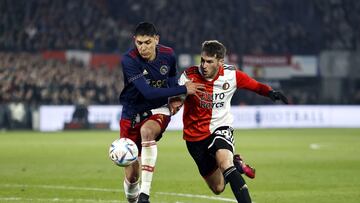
(205, 162)
(224, 159)
(133, 133)
(153, 127)
(149, 130)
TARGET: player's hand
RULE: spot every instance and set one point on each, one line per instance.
(192, 88)
(276, 95)
(175, 104)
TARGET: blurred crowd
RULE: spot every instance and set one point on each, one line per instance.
(30, 79)
(245, 26)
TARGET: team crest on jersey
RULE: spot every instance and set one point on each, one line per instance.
(164, 69)
(226, 86)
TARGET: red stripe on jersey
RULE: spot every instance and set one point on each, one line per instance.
(192, 70)
(134, 53)
(165, 49)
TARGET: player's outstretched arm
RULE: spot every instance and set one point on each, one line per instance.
(276, 95)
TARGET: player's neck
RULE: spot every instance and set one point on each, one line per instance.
(152, 58)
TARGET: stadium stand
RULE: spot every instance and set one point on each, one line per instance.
(278, 26)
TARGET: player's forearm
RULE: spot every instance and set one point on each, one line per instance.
(157, 93)
(263, 89)
(258, 88)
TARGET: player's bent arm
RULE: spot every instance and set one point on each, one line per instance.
(172, 81)
(246, 82)
(156, 93)
(135, 76)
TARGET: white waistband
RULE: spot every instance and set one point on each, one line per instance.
(161, 110)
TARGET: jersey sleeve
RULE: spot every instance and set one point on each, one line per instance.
(134, 75)
(182, 80)
(131, 69)
(246, 82)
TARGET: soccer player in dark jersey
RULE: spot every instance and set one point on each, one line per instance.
(208, 121)
(150, 79)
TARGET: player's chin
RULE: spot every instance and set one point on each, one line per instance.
(144, 55)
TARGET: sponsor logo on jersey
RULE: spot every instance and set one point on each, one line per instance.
(145, 72)
(210, 101)
(225, 86)
(164, 69)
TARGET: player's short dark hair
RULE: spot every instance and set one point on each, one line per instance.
(214, 48)
(145, 28)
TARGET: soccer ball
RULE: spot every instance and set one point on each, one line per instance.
(123, 152)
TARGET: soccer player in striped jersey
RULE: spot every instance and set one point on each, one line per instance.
(150, 79)
(207, 120)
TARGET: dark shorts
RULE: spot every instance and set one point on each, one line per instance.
(134, 133)
(203, 152)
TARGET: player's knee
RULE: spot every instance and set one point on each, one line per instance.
(132, 179)
(134, 176)
(225, 164)
(217, 189)
(147, 134)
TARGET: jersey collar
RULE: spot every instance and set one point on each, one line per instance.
(220, 73)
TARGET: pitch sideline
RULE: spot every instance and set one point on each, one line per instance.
(15, 199)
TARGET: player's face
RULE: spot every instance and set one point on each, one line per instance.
(146, 45)
(210, 65)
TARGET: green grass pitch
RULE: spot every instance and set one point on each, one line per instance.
(293, 166)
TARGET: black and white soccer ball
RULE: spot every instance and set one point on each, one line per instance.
(123, 152)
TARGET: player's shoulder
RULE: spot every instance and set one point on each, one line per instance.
(193, 70)
(131, 54)
(165, 49)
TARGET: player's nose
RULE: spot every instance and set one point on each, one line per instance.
(142, 48)
(205, 66)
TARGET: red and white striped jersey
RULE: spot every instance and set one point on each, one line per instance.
(207, 111)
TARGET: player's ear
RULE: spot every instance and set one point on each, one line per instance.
(157, 39)
(221, 61)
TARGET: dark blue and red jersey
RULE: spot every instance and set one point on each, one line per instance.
(148, 84)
